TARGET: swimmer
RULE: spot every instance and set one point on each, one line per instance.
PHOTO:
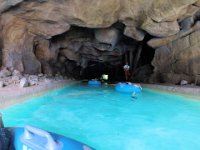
(134, 95)
(129, 83)
(138, 85)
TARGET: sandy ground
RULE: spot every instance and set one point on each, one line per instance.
(14, 94)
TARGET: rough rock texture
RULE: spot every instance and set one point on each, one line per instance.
(23, 82)
(48, 36)
(180, 58)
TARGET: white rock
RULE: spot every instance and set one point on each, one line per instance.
(5, 73)
(33, 79)
(59, 77)
(16, 73)
(48, 81)
(40, 75)
(1, 84)
(184, 82)
(24, 82)
(16, 79)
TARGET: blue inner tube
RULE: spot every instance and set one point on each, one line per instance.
(40, 142)
(94, 82)
(124, 87)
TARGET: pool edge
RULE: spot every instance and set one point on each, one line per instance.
(187, 91)
(19, 95)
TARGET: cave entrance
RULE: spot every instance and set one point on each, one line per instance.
(97, 69)
(85, 53)
(138, 55)
(147, 54)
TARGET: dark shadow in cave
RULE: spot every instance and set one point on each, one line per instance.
(85, 53)
(144, 69)
(147, 52)
(113, 69)
(97, 69)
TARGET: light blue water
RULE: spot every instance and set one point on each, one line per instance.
(107, 120)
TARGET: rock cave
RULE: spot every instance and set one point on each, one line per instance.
(83, 40)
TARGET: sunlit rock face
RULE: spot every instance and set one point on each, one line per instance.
(64, 36)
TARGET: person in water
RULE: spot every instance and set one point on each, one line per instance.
(126, 71)
(136, 85)
(134, 95)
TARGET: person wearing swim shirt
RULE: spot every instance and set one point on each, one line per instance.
(126, 71)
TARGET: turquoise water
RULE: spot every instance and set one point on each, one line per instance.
(107, 120)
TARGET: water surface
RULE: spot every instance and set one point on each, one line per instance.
(108, 120)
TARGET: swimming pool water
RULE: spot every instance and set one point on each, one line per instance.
(108, 120)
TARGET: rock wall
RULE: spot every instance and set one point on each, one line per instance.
(45, 35)
(177, 56)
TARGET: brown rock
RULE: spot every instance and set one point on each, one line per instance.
(161, 29)
(33, 33)
(70, 54)
(5, 5)
(108, 36)
(197, 3)
(134, 33)
(18, 46)
(180, 57)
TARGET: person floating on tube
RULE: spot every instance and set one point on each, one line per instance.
(126, 71)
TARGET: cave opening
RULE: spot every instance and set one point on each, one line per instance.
(147, 53)
(87, 53)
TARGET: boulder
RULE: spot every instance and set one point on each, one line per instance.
(70, 54)
(40, 75)
(24, 83)
(16, 73)
(184, 82)
(15, 79)
(5, 5)
(5, 73)
(1, 84)
(109, 36)
(187, 23)
(134, 33)
(161, 29)
(33, 80)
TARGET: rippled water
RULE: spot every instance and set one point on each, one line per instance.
(107, 120)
